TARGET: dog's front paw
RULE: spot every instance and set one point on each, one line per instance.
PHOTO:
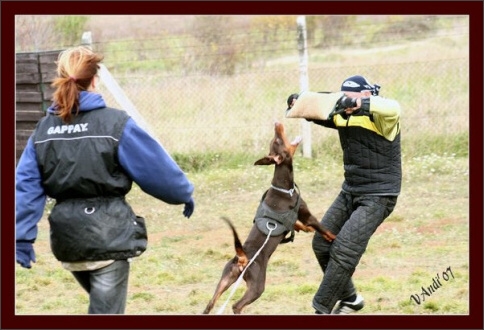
(329, 236)
(300, 226)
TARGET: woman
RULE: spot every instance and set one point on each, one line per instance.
(86, 156)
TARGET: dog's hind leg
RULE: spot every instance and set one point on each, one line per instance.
(255, 278)
(230, 274)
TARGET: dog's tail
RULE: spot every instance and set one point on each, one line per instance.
(239, 250)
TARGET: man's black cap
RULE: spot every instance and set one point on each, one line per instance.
(290, 99)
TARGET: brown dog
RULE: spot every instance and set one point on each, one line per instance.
(281, 199)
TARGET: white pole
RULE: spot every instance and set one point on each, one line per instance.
(113, 87)
(303, 81)
(116, 91)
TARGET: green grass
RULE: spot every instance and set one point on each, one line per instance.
(427, 232)
(427, 145)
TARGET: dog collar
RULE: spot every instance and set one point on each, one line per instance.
(290, 191)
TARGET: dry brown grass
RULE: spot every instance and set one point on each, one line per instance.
(178, 273)
(428, 231)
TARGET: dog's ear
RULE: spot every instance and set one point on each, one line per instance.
(294, 144)
(269, 160)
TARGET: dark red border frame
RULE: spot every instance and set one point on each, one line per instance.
(11, 8)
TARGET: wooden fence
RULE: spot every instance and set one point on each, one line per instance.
(34, 75)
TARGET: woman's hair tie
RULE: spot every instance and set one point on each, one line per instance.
(73, 78)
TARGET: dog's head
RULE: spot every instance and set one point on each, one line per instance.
(281, 150)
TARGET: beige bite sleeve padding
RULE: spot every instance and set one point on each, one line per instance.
(313, 105)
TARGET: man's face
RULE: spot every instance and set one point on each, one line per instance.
(357, 95)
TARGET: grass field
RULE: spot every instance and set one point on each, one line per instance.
(427, 234)
(426, 237)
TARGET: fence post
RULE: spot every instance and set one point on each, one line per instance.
(117, 92)
(303, 81)
(86, 38)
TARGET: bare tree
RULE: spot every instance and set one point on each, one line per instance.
(34, 33)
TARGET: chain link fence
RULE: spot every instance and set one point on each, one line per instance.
(199, 111)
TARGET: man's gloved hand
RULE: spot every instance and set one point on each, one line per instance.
(25, 254)
(347, 102)
(290, 100)
(337, 110)
(189, 207)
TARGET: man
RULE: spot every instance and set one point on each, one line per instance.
(369, 132)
